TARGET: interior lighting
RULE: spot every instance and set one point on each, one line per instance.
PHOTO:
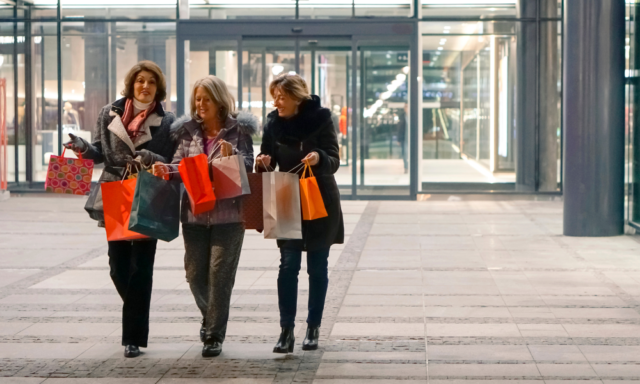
(292, 72)
(440, 48)
(277, 69)
(401, 77)
(1, 60)
(405, 70)
(37, 39)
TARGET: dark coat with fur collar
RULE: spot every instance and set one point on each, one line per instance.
(288, 141)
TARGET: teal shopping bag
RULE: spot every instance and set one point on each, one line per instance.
(155, 211)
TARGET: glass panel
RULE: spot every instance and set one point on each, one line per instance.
(325, 9)
(121, 9)
(207, 57)
(20, 139)
(468, 106)
(550, 141)
(242, 9)
(279, 57)
(325, 64)
(6, 12)
(468, 8)
(7, 75)
(632, 160)
(44, 9)
(383, 8)
(44, 96)
(383, 150)
(96, 57)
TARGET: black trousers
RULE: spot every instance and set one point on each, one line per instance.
(317, 269)
(131, 265)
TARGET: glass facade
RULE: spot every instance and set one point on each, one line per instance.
(427, 95)
(632, 148)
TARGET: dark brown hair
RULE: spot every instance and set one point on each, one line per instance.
(149, 66)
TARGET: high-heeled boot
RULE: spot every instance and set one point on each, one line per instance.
(285, 342)
(310, 342)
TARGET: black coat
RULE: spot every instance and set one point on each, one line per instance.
(288, 141)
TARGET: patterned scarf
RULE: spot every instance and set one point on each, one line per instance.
(133, 123)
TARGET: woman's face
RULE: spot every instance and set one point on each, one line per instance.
(145, 87)
(206, 108)
(285, 104)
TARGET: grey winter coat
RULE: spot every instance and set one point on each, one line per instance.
(112, 144)
(188, 135)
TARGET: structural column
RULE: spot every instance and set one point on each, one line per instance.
(593, 117)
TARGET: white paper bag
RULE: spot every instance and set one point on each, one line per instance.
(281, 206)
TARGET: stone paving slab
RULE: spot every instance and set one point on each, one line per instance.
(421, 292)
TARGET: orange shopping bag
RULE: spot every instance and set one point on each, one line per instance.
(194, 172)
(310, 197)
(117, 197)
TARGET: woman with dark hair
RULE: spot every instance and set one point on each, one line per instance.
(301, 131)
(134, 128)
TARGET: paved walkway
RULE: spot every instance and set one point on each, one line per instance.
(420, 292)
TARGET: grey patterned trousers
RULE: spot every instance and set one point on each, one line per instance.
(211, 261)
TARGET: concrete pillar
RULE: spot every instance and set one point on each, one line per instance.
(593, 117)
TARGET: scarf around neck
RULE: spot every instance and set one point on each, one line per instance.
(133, 123)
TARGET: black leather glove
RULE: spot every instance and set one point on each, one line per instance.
(77, 144)
(146, 158)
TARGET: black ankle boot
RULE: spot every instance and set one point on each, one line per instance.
(285, 342)
(211, 349)
(310, 342)
(131, 351)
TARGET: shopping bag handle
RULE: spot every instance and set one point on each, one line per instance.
(77, 154)
(304, 172)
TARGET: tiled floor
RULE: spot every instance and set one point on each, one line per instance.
(449, 292)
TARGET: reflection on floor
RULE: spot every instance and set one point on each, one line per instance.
(461, 171)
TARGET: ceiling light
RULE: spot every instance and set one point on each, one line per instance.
(440, 48)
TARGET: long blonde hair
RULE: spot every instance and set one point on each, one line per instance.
(218, 92)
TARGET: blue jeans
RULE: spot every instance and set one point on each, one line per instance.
(317, 268)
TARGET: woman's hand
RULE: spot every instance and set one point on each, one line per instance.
(226, 149)
(312, 158)
(263, 161)
(77, 144)
(161, 170)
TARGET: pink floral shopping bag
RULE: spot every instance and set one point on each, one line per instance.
(69, 176)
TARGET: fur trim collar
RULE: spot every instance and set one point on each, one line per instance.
(246, 123)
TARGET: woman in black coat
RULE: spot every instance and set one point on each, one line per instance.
(301, 131)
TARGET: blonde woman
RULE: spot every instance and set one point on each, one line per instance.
(212, 239)
(301, 131)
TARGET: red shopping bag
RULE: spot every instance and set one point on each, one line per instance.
(117, 197)
(310, 197)
(194, 172)
(69, 176)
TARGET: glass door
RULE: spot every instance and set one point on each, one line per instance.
(374, 143)
(383, 166)
(324, 63)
